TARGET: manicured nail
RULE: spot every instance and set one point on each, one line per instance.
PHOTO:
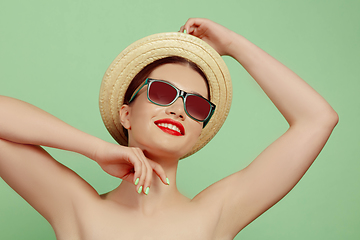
(147, 190)
(184, 30)
(167, 181)
(137, 181)
(140, 189)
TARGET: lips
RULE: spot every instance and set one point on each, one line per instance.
(170, 126)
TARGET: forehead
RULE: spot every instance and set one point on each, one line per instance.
(182, 76)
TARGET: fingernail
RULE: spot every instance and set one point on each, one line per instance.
(137, 181)
(167, 181)
(147, 190)
(140, 189)
(184, 30)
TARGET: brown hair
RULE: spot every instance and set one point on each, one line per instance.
(145, 72)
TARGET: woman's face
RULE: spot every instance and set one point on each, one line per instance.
(149, 125)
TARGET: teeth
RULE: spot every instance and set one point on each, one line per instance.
(170, 126)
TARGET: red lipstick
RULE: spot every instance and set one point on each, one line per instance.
(170, 126)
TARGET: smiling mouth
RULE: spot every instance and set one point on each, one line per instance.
(170, 126)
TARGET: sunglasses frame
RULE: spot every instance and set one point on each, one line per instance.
(179, 93)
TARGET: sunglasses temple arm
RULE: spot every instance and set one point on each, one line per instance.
(137, 90)
(208, 119)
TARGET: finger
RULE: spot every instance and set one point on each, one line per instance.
(147, 170)
(135, 174)
(134, 160)
(192, 29)
(159, 171)
(148, 177)
(128, 177)
(191, 25)
(140, 185)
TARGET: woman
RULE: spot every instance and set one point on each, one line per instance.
(147, 205)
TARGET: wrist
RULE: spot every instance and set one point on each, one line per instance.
(239, 46)
(95, 148)
(82, 143)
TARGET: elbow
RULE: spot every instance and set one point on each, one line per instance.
(334, 119)
(325, 119)
(329, 119)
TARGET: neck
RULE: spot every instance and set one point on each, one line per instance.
(160, 195)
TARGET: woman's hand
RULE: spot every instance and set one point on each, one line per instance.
(129, 164)
(217, 36)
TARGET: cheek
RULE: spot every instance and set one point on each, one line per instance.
(195, 129)
(139, 108)
(142, 114)
(140, 125)
(198, 129)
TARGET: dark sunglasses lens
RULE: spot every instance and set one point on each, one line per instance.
(197, 107)
(162, 93)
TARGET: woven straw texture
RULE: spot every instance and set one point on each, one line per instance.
(135, 57)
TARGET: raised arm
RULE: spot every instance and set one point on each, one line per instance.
(24, 123)
(248, 193)
(46, 184)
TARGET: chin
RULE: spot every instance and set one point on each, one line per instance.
(157, 144)
(164, 149)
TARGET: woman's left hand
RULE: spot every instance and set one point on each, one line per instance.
(129, 164)
(217, 36)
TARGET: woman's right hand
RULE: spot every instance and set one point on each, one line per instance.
(129, 164)
(216, 35)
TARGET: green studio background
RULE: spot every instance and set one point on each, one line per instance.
(54, 54)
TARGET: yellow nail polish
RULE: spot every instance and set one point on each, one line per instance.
(140, 189)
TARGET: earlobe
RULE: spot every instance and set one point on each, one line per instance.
(124, 115)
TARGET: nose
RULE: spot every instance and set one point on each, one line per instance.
(177, 109)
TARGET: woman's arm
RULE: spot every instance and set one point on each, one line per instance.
(24, 123)
(48, 186)
(294, 98)
(41, 180)
(21, 122)
(248, 193)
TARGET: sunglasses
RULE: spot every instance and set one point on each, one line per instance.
(163, 93)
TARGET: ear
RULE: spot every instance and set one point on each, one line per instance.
(124, 115)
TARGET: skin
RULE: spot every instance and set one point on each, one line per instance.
(159, 146)
(76, 211)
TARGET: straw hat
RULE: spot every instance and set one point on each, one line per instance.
(141, 53)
